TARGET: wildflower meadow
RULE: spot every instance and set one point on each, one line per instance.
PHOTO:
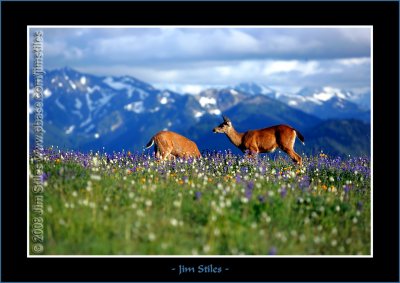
(127, 203)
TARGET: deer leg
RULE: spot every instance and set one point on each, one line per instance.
(287, 146)
(158, 154)
(252, 152)
(298, 159)
(171, 157)
(165, 156)
(168, 155)
(295, 157)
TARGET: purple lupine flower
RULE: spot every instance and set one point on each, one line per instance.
(250, 185)
(249, 189)
(43, 177)
(238, 179)
(197, 195)
(360, 205)
(283, 191)
(272, 251)
(261, 198)
(304, 183)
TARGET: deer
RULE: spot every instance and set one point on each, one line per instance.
(263, 140)
(170, 145)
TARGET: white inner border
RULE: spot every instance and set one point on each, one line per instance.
(197, 256)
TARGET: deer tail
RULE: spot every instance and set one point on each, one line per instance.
(300, 136)
(150, 143)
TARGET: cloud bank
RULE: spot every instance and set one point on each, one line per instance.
(282, 57)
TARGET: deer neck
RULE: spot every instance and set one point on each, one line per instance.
(234, 136)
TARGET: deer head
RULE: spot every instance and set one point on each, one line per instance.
(224, 126)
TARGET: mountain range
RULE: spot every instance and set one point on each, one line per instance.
(88, 112)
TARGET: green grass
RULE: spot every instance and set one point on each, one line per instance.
(218, 205)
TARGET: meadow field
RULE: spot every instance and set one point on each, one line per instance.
(221, 204)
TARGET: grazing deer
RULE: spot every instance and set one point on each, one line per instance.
(263, 140)
(171, 145)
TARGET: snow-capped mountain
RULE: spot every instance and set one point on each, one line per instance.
(85, 112)
(255, 89)
(216, 101)
(83, 108)
(323, 102)
(93, 106)
(326, 103)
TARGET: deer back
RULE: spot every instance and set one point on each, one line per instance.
(178, 145)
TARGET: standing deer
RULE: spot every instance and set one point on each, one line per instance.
(263, 140)
(169, 145)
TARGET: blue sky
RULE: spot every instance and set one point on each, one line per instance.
(283, 58)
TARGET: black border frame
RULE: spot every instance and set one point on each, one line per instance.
(384, 16)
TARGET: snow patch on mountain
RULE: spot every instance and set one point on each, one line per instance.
(47, 93)
(314, 100)
(117, 85)
(136, 107)
(116, 125)
(233, 92)
(83, 80)
(198, 114)
(77, 113)
(90, 90)
(70, 130)
(72, 84)
(215, 112)
(60, 105)
(89, 102)
(254, 88)
(204, 101)
(91, 127)
(114, 84)
(156, 109)
(104, 100)
(78, 103)
(323, 96)
(143, 94)
(164, 100)
(86, 122)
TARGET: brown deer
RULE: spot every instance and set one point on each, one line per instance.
(263, 140)
(169, 145)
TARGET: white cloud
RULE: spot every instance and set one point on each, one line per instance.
(62, 50)
(354, 61)
(187, 88)
(140, 44)
(280, 67)
(356, 35)
(290, 73)
(194, 57)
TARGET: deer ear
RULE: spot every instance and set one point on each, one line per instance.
(226, 119)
